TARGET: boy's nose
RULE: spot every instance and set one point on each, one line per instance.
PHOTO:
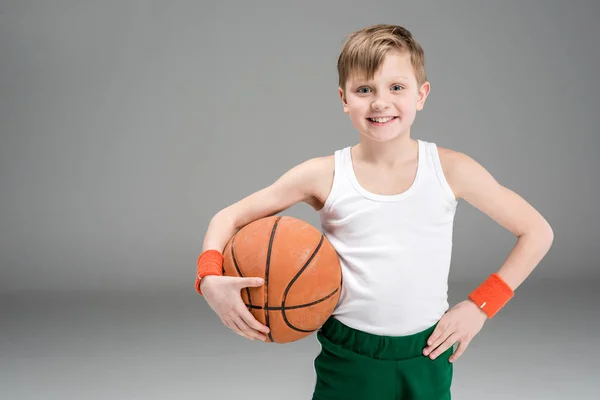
(380, 104)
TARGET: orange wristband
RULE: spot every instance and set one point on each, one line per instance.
(210, 262)
(492, 295)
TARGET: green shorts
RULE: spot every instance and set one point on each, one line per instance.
(355, 365)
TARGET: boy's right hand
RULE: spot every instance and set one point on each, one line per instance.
(223, 295)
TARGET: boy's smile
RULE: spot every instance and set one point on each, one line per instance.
(381, 121)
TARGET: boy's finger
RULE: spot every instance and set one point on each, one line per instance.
(449, 342)
(251, 321)
(247, 330)
(233, 326)
(462, 346)
(242, 329)
(438, 332)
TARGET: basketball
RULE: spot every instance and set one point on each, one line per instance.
(301, 272)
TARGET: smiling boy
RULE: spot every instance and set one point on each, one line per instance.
(387, 205)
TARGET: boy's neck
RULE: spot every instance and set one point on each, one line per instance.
(386, 154)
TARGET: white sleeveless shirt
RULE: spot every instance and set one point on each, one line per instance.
(394, 250)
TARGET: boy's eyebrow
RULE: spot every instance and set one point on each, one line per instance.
(390, 78)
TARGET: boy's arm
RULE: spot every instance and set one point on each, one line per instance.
(472, 182)
(299, 184)
(305, 182)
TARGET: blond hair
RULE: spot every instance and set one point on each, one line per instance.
(364, 51)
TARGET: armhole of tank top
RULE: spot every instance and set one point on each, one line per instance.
(439, 171)
(337, 172)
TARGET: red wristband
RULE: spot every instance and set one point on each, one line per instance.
(210, 262)
(492, 295)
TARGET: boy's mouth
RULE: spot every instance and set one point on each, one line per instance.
(382, 120)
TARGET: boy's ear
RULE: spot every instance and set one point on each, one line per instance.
(343, 97)
(422, 95)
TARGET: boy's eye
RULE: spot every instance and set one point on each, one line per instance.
(365, 89)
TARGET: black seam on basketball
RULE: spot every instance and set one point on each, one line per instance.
(237, 268)
(266, 285)
(289, 286)
(294, 307)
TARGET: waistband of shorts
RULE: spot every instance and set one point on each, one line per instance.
(375, 346)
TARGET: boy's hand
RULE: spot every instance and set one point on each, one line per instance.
(459, 324)
(222, 293)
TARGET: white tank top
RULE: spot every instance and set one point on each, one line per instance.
(394, 250)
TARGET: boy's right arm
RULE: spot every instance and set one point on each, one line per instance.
(222, 293)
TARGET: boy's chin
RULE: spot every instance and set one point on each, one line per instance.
(382, 138)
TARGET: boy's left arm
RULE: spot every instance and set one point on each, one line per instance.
(473, 183)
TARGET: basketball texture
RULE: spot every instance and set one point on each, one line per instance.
(301, 272)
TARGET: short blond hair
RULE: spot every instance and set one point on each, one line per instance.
(364, 51)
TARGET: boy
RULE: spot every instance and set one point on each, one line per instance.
(387, 205)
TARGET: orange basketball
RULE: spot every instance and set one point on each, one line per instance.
(301, 270)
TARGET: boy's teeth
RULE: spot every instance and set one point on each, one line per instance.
(382, 120)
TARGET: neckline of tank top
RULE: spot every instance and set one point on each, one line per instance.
(349, 167)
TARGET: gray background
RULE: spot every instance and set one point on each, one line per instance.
(125, 125)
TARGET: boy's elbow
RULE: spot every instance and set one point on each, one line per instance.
(549, 232)
(542, 233)
(550, 236)
(224, 216)
(546, 233)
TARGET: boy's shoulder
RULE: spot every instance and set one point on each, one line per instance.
(317, 176)
(449, 157)
(318, 166)
(472, 182)
(321, 162)
(462, 172)
(455, 162)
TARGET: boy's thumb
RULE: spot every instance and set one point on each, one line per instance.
(252, 282)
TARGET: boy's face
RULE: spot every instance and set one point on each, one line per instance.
(393, 94)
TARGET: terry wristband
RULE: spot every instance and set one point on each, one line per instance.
(492, 295)
(210, 262)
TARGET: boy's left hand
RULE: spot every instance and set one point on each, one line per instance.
(459, 324)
